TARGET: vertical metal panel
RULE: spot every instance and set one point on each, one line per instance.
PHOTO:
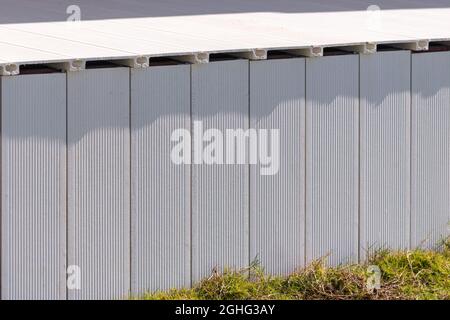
(33, 126)
(332, 158)
(160, 104)
(99, 181)
(430, 148)
(385, 120)
(220, 204)
(277, 219)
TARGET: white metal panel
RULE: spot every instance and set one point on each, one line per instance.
(220, 203)
(99, 181)
(332, 158)
(11, 53)
(222, 32)
(204, 30)
(277, 216)
(385, 129)
(33, 206)
(140, 36)
(418, 24)
(67, 48)
(83, 42)
(179, 41)
(281, 30)
(161, 204)
(430, 148)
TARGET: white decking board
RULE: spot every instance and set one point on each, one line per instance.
(33, 43)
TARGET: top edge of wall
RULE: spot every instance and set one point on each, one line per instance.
(133, 42)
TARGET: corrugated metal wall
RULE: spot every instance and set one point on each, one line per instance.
(160, 191)
(385, 120)
(277, 101)
(361, 164)
(430, 148)
(33, 233)
(98, 128)
(332, 113)
(220, 192)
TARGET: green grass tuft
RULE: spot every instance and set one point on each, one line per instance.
(416, 274)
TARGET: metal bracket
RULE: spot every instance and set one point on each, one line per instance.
(138, 62)
(70, 66)
(313, 51)
(9, 69)
(254, 54)
(196, 58)
(365, 48)
(420, 45)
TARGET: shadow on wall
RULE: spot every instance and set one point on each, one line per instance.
(21, 11)
(35, 85)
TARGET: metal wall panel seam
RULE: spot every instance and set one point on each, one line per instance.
(160, 187)
(277, 201)
(305, 159)
(191, 130)
(430, 148)
(33, 186)
(332, 159)
(67, 189)
(249, 171)
(385, 151)
(410, 150)
(219, 191)
(131, 231)
(98, 181)
(1, 188)
(359, 158)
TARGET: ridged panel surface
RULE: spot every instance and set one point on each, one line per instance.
(277, 220)
(332, 158)
(430, 148)
(220, 204)
(33, 134)
(160, 105)
(385, 120)
(99, 181)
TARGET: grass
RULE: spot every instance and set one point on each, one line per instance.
(416, 274)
